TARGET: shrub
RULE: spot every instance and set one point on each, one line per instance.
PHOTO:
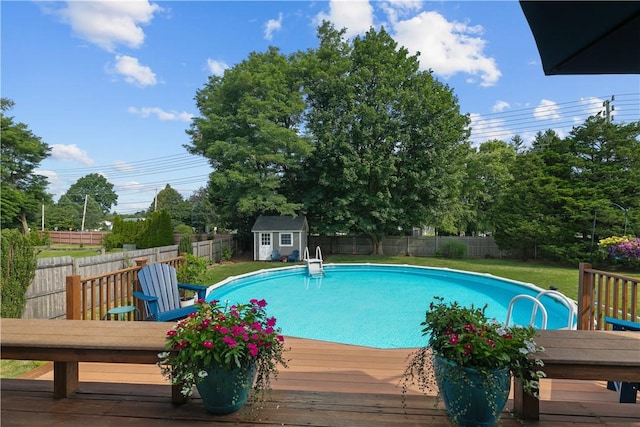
(18, 270)
(192, 270)
(185, 246)
(455, 250)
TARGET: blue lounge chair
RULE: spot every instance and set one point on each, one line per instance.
(161, 295)
(628, 391)
(275, 255)
(294, 257)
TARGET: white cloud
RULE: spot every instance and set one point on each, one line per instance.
(108, 24)
(272, 26)
(592, 106)
(500, 106)
(146, 112)
(216, 67)
(354, 15)
(133, 72)
(483, 129)
(547, 110)
(70, 153)
(447, 47)
(123, 166)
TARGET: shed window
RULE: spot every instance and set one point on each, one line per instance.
(286, 239)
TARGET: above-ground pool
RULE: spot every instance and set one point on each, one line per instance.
(377, 305)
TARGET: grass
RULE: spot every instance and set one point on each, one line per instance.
(15, 368)
(74, 251)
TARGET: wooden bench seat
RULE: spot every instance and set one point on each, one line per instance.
(67, 342)
(582, 355)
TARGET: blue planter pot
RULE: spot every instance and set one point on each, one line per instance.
(471, 398)
(223, 391)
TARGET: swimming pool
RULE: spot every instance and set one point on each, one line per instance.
(376, 305)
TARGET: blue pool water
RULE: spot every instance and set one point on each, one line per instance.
(376, 305)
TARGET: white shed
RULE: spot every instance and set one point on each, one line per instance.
(279, 238)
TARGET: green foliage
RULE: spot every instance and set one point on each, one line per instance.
(123, 233)
(18, 270)
(97, 188)
(193, 270)
(454, 250)
(250, 131)
(185, 246)
(170, 200)
(226, 254)
(22, 191)
(157, 231)
(183, 229)
(390, 139)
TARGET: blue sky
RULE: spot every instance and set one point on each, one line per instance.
(110, 85)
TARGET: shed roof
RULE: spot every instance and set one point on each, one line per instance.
(280, 223)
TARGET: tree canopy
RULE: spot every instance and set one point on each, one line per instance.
(249, 130)
(22, 190)
(95, 186)
(388, 137)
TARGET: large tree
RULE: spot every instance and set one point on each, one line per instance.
(390, 139)
(249, 129)
(22, 191)
(95, 186)
(489, 172)
(170, 200)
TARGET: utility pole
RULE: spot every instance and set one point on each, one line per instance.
(42, 227)
(84, 212)
(608, 108)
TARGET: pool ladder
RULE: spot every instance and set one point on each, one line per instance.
(314, 265)
(559, 297)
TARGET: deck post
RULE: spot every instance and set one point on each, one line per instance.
(585, 296)
(525, 405)
(73, 298)
(65, 379)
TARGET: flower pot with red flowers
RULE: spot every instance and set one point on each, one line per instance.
(469, 360)
(228, 352)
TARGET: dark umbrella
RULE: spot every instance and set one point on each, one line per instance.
(586, 37)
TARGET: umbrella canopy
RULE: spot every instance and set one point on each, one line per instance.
(586, 37)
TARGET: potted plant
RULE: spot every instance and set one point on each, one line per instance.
(191, 271)
(469, 361)
(225, 351)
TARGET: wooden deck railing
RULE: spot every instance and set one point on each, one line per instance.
(90, 298)
(602, 294)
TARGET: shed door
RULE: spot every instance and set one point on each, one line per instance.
(266, 247)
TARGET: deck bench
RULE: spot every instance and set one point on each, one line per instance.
(582, 355)
(68, 342)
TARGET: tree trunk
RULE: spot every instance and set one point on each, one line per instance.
(25, 225)
(376, 242)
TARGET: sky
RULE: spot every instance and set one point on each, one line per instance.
(110, 85)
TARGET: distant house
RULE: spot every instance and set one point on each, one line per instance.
(279, 233)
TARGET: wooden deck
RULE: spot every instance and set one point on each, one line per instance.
(326, 384)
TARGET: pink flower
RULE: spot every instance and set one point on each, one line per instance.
(253, 349)
(453, 339)
(230, 342)
(172, 333)
(271, 321)
(207, 344)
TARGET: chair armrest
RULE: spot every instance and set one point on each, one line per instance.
(147, 298)
(200, 289)
(622, 325)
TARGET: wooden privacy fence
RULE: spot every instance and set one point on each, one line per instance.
(427, 246)
(602, 294)
(46, 294)
(90, 298)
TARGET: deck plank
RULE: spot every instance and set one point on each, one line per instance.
(326, 384)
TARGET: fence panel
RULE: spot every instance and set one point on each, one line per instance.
(46, 295)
